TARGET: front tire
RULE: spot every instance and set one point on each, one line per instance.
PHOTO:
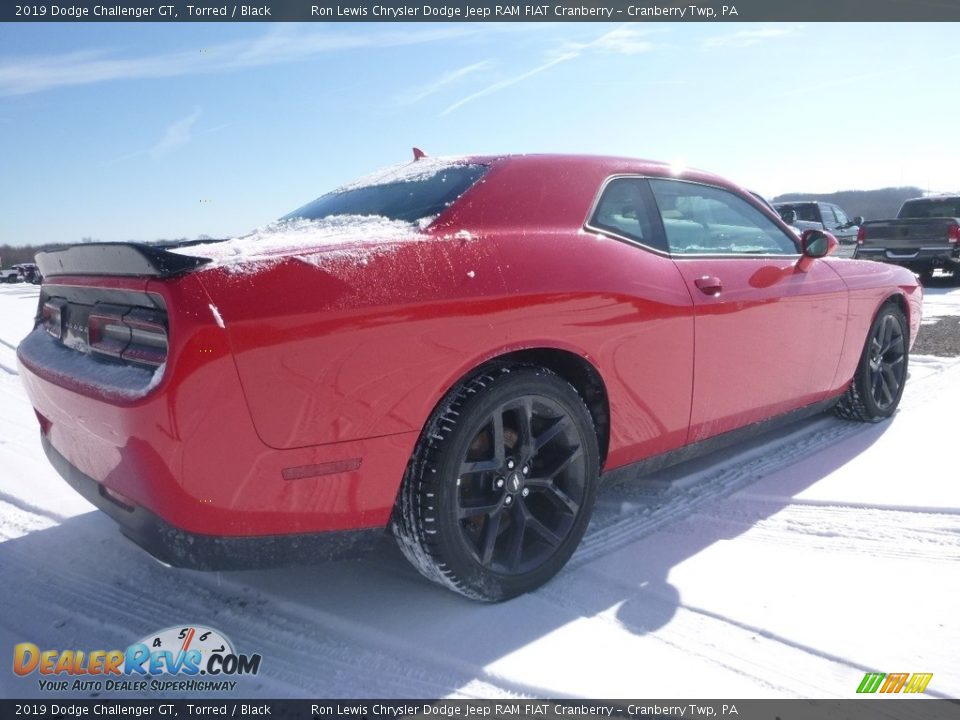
(500, 488)
(881, 373)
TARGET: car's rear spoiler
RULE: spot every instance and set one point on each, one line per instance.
(129, 259)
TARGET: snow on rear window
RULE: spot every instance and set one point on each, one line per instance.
(369, 215)
(409, 192)
(416, 171)
(344, 234)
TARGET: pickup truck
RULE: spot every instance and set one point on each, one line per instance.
(804, 213)
(9, 275)
(924, 236)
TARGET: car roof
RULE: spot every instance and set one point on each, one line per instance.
(604, 165)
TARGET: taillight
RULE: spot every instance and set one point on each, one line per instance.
(51, 317)
(137, 336)
(953, 234)
(107, 335)
(148, 338)
(861, 235)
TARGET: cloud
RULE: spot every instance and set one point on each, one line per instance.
(746, 38)
(282, 44)
(622, 41)
(507, 82)
(449, 78)
(177, 134)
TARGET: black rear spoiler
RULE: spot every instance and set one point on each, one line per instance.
(127, 258)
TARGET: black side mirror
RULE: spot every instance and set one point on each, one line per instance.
(817, 243)
(858, 220)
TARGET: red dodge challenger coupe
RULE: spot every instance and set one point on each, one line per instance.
(455, 349)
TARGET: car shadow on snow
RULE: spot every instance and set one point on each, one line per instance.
(374, 627)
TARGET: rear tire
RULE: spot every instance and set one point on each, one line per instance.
(881, 373)
(500, 488)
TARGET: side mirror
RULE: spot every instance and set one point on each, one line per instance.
(789, 216)
(817, 243)
(858, 220)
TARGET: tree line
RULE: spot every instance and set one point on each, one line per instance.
(880, 204)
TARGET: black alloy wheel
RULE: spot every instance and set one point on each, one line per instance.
(888, 354)
(500, 488)
(877, 385)
(520, 485)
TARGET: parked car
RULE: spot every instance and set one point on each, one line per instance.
(29, 273)
(925, 236)
(454, 349)
(9, 275)
(828, 216)
(789, 217)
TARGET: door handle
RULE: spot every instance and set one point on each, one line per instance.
(709, 285)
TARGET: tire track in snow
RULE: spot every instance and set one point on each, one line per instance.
(309, 651)
(716, 482)
(298, 659)
(610, 529)
(879, 532)
(17, 521)
(24, 506)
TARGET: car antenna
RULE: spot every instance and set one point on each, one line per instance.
(418, 153)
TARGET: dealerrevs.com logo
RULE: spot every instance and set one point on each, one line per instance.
(201, 658)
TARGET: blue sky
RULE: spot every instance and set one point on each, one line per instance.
(142, 131)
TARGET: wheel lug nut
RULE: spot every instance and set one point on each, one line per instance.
(511, 464)
(499, 482)
(526, 469)
(507, 500)
(525, 492)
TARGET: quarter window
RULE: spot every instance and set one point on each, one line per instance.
(706, 220)
(626, 208)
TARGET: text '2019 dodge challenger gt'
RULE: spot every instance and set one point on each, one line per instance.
(454, 349)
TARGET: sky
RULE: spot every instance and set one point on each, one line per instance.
(133, 131)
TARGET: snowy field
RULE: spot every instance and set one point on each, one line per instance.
(787, 568)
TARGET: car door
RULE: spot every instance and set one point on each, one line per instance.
(768, 330)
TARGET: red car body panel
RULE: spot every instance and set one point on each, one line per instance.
(299, 414)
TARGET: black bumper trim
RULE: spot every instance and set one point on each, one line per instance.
(921, 257)
(180, 548)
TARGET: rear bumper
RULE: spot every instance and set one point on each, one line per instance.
(181, 548)
(920, 259)
(185, 449)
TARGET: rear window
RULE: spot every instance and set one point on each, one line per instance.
(409, 199)
(948, 207)
(805, 211)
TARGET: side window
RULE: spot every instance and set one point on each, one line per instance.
(626, 208)
(841, 216)
(829, 219)
(706, 220)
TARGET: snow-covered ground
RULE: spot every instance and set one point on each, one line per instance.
(789, 567)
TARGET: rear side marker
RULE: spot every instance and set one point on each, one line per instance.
(329, 468)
